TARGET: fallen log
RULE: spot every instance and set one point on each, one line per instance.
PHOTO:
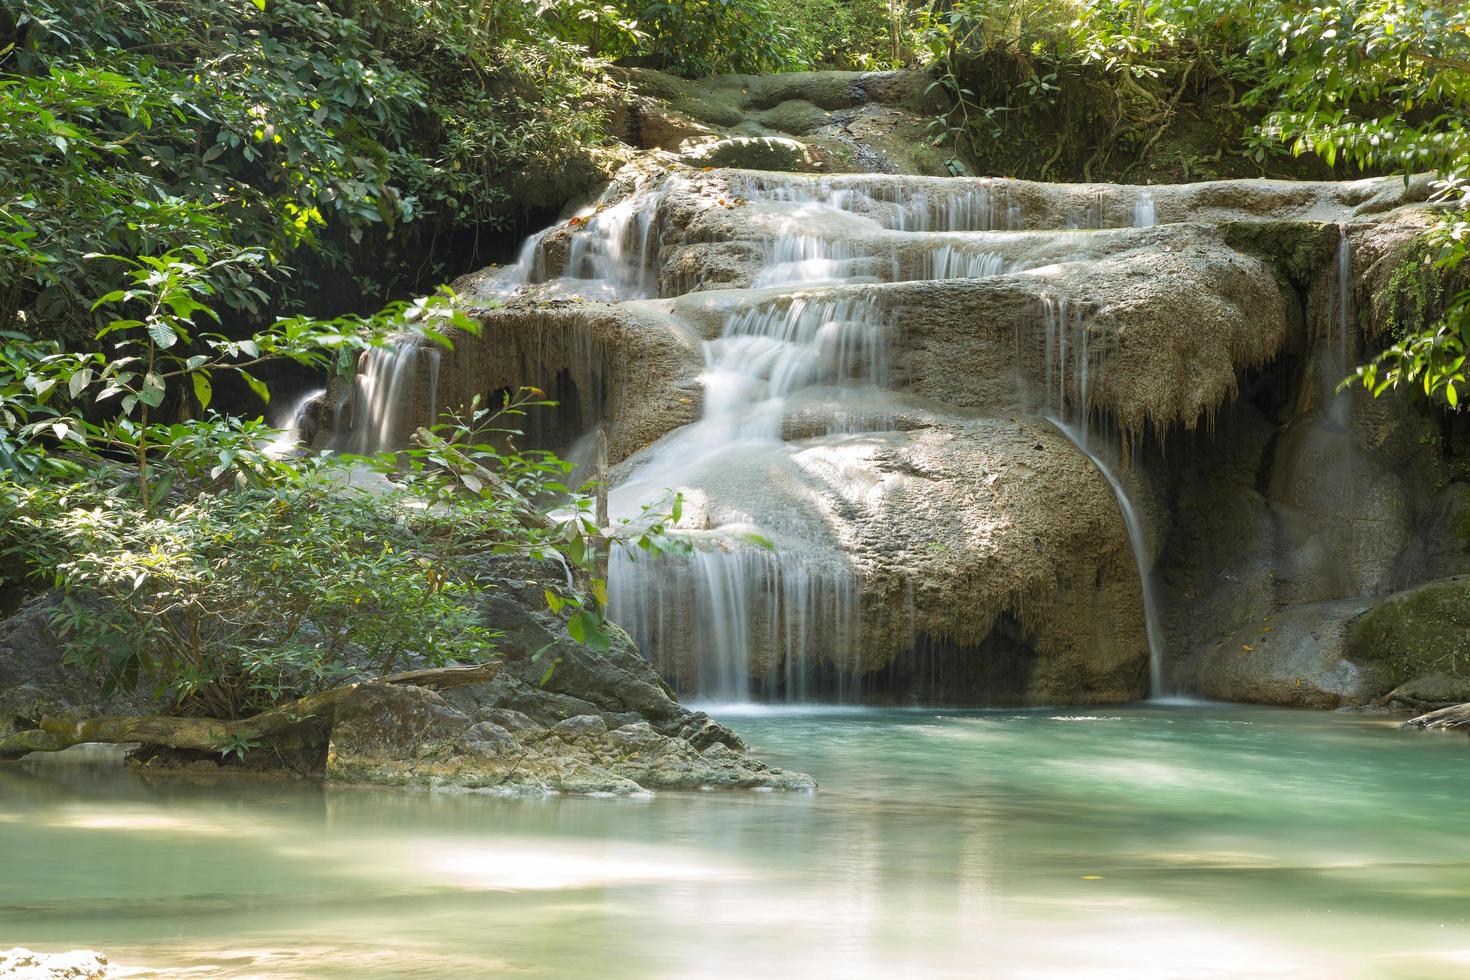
(1454, 718)
(213, 734)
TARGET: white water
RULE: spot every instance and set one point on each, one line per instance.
(1066, 405)
(289, 439)
(1143, 211)
(734, 598)
(395, 389)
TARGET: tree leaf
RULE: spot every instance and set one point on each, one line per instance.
(203, 389)
(151, 394)
(257, 386)
(163, 333)
(79, 380)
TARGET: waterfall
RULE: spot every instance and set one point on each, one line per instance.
(714, 614)
(293, 433)
(609, 252)
(797, 372)
(1066, 347)
(1143, 211)
(733, 600)
(394, 391)
(956, 206)
(1339, 335)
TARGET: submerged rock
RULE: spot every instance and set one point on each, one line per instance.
(78, 964)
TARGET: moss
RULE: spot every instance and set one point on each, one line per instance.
(1297, 249)
(1413, 295)
(795, 116)
(1423, 630)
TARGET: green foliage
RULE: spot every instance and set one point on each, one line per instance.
(342, 136)
(199, 563)
(1386, 83)
(226, 603)
(687, 37)
(865, 35)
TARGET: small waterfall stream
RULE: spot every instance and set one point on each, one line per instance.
(808, 601)
(1066, 329)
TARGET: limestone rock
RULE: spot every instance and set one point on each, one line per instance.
(758, 153)
(1421, 630)
(399, 735)
(1297, 657)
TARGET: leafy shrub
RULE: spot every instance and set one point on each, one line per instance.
(227, 603)
(337, 136)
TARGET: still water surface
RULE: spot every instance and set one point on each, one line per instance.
(1142, 842)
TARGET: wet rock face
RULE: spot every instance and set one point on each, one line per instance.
(1303, 498)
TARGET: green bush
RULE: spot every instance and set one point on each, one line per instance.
(351, 138)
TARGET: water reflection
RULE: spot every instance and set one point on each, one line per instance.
(1136, 842)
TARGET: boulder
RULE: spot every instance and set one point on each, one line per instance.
(400, 735)
(1297, 657)
(1420, 631)
(948, 535)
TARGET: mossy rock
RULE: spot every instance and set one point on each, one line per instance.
(756, 153)
(1420, 631)
(794, 116)
(1298, 249)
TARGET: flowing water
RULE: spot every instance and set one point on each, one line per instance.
(1200, 841)
(818, 332)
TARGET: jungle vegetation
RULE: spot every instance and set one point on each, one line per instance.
(194, 193)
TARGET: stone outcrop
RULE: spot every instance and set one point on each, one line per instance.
(409, 736)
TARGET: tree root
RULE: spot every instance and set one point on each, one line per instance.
(214, 735)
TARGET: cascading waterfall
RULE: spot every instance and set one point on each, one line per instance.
(806, 601)
(1066, 349)
(395, 389)
(736, 619)
(974, 206)
(609, 253)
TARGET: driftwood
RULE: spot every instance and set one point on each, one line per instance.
(212, 734)
(1454, 718)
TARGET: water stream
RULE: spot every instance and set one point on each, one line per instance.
(1137, 843)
